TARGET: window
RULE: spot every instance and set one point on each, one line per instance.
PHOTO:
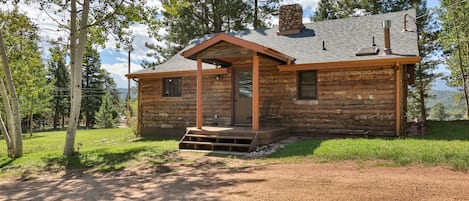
(307, 85)
(172, 87)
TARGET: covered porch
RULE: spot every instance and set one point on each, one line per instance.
(237, 55)
(249, 127)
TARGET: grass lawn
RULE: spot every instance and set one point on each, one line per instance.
(100, 150)
(446, 144)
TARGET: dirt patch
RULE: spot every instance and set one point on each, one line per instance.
(216, 178)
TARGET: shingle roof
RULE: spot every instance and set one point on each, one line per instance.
(342, 38)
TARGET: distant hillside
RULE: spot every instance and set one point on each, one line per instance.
(446, 97)
(123, 93)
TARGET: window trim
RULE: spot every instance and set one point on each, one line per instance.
(164, 87)
(298, 85)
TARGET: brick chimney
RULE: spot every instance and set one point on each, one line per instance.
(290, 19)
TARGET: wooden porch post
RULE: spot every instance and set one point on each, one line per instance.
(255, 93)
(199, 120)
(398, 98)
(139, 108)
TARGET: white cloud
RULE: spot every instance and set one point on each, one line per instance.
(119, 70)
(306, 4)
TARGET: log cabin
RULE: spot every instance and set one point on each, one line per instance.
(233, 91)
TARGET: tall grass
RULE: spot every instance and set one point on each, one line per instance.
(446, 144)
(99, 150)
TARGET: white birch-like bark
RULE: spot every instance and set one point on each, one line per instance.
(11, 104)
(76, 62)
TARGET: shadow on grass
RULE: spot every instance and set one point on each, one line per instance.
(446, 130)
(6, 161)
(99, 160)
(300, 148)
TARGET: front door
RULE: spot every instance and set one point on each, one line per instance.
(242, 88)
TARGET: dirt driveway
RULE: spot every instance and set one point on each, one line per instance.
(200, 177)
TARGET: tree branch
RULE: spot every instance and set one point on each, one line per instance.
(105, 18)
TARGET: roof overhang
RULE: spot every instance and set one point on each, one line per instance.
(375, 62)
(217, 71)
(192, 52)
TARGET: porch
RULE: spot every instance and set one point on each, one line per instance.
(232, 139)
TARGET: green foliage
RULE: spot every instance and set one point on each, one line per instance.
(59, 77)
(100, 150)
(453, 105)
(29, 74)
(96, 82)
(335, 9)
(438, 112)
(455, 41)
(446, 143)
(186, 20)
(107, 113)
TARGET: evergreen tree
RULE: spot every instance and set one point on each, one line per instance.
(455, 41)
(93, 85)
(326, 10)
(424, 71)
(96, 82)
(107, 113)
(186, 20)
(438, 112)
(59, 77)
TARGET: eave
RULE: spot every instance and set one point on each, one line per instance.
(217, 71)
(192, 52)
(376, 62)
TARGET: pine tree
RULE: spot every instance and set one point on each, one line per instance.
(107, 113)
(424, 71)
(96, 82)
(438, 112)
(455, 41)
(60, 79)
(186, 20)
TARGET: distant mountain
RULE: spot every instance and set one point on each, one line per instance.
(452, 107)
(440, 85)
(123, 93)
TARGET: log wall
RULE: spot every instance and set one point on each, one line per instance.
(179, 112)
(359, 102)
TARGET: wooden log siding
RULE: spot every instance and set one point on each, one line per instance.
(349, 101)
(180, 112)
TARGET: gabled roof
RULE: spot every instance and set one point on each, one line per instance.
(342, 38)
(192, 52)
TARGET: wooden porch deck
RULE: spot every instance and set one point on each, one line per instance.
(232, 139)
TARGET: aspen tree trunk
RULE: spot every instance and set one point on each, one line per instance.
(9, 136)
(11, 104)
(76, 62)
(463, 74)
(6, 136)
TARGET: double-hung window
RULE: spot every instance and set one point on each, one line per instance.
(172, 87)
(307, 84)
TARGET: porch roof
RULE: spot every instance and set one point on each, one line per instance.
(237, 45)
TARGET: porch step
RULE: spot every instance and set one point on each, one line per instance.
(216, 144)
(220, 136)
(210, 141)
